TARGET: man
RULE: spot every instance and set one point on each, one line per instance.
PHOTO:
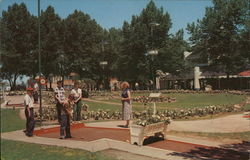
(35, 93)
(59, 97)
(76, 92)
(29, 112)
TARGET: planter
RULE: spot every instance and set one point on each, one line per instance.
(138, 133)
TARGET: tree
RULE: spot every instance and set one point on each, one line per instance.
(139, 36)
(81, 44)
(50, 40)
(171, 58)
(217, 37)
(16, 42)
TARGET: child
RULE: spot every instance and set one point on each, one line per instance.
(66, 115)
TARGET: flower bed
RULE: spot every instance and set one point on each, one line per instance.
(49, 113)
(147, 99)
(14, 93)
(236, 92)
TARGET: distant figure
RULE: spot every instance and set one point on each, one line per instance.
(126, 103)
(29, 112)
(59, 97)
(77, 94)
(136, 86)
(35, 93)
(66, 115)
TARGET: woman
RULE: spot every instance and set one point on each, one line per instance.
(77, 93)
(126, 103)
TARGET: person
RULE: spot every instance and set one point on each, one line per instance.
(136, 86)
(29, 112)
(126, 103)
(66, 115)
(59, 97)
(35, 93)
(77, 93)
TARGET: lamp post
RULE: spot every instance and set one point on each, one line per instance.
(153, 52)
(152, 25)
(39, 58)
(103, 63)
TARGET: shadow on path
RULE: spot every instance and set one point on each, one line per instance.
(226, 152)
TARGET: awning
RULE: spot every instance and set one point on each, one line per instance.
(245, 73)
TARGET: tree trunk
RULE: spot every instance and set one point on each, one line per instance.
(228, 82)
(63, 80)
(46, 77)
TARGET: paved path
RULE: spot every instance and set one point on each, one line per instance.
(227, 124)
(14, 99)
(97, 145)
(232, 123)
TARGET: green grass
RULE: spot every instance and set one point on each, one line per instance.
(243, 136)
(94, 106)
(183, 101)
(247, 107)
(10, 120)
(12, 150)
(201, 100)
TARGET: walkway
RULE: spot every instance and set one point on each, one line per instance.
(100, 139)
(227, 124)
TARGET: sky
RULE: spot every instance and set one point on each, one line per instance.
(112, 13)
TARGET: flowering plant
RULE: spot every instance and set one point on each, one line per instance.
(147, 118)
(153, 119)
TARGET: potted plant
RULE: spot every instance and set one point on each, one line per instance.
(148, 125)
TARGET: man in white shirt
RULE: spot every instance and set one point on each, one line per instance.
(77, 94)
(59, 97)
(29, 112)
(63, 118)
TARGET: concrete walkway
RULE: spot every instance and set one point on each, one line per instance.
(94, 146)
(228, 124)
(14, 99)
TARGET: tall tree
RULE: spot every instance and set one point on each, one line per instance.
(16, 42)
(171, 58)
(82, 39)
(217, 36)
(147, 31)
(50, 40)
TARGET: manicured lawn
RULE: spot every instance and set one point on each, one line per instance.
(247, 107)
(12, 150)
(200, 100)
(183, 101)
(10, 120)
(94, 106)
